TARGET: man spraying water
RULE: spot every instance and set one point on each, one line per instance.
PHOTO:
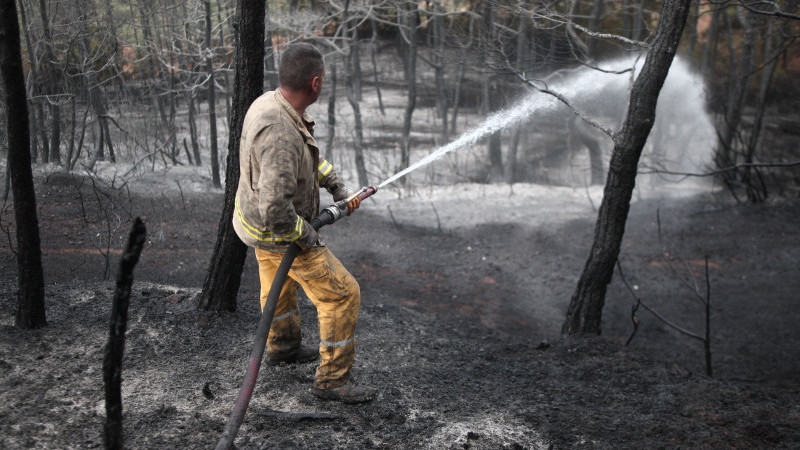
(278, 195)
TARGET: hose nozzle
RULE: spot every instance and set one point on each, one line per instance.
(339, 209)
(362, 193)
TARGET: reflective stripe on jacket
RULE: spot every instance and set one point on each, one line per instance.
(280, 176)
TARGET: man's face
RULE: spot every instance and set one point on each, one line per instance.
(316, 86)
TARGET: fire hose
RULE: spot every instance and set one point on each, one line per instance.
(328, 216)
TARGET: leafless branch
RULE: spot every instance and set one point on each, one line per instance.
(611, 37)
(545, 90)
(718, 171)
(773, 9)
(666, 321)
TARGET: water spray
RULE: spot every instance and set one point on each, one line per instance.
(496, 122)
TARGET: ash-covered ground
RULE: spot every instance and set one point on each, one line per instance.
(464, 293)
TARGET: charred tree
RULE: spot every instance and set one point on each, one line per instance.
(193, 129)
(30, 309)
(270, 65)
(353, 87)
(37, 113)
(227, 261)
(752, 179)
(409, 28)
(438, 63)
(331, 112)
(212, 107)
(490, 96)
(586, 306)
(50, 75)
(115, 348)
(373, 52)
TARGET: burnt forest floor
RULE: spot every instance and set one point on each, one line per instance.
(459, 330)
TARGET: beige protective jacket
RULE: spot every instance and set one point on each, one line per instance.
(281, 173)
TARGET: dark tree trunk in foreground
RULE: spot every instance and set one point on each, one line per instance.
(225, 271)
(30, 309)
(112, 358)
(586, 306)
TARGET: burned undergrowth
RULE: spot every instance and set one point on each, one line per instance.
(458, 330)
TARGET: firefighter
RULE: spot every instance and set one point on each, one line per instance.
(278, 195)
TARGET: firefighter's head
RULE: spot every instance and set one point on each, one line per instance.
(302, 70)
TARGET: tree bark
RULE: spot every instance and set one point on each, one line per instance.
(30, 308)
(373, 52)
(756, 190)
(98, 103)
(115, 348)
(490, 99)
(227, 261)
(355, 63)
(410, 19)
(193, 129)
(586, 306)
(439, 67)
(725, 154)
(269, 61)
(50, 75)
(37, 112)
(331, 112)
(521, 59)
(212, 108)
(352, 84)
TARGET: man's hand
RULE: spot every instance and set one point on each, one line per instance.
(353, 205)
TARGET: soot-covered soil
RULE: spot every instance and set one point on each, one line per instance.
(459, 330)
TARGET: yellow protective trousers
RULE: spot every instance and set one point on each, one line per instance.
(335, 294)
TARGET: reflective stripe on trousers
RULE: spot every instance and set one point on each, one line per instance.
(335, 294)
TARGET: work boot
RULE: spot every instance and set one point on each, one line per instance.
(349, 392)
(301, 355)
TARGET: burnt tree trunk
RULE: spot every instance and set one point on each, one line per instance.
(30, 307)
(37, 112)
(437, 61)
(586, 306)
(352, 84)
(410, 26)
(225, 271)
(491, 102)
(212, 107)
(193, 129)
(50, 75)
(112, 357)
(331, 112)
(756, 189)
(373, 52)
(270, 65)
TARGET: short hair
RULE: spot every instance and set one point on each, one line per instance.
(300, 63)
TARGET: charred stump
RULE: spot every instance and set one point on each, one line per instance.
(112, 358)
